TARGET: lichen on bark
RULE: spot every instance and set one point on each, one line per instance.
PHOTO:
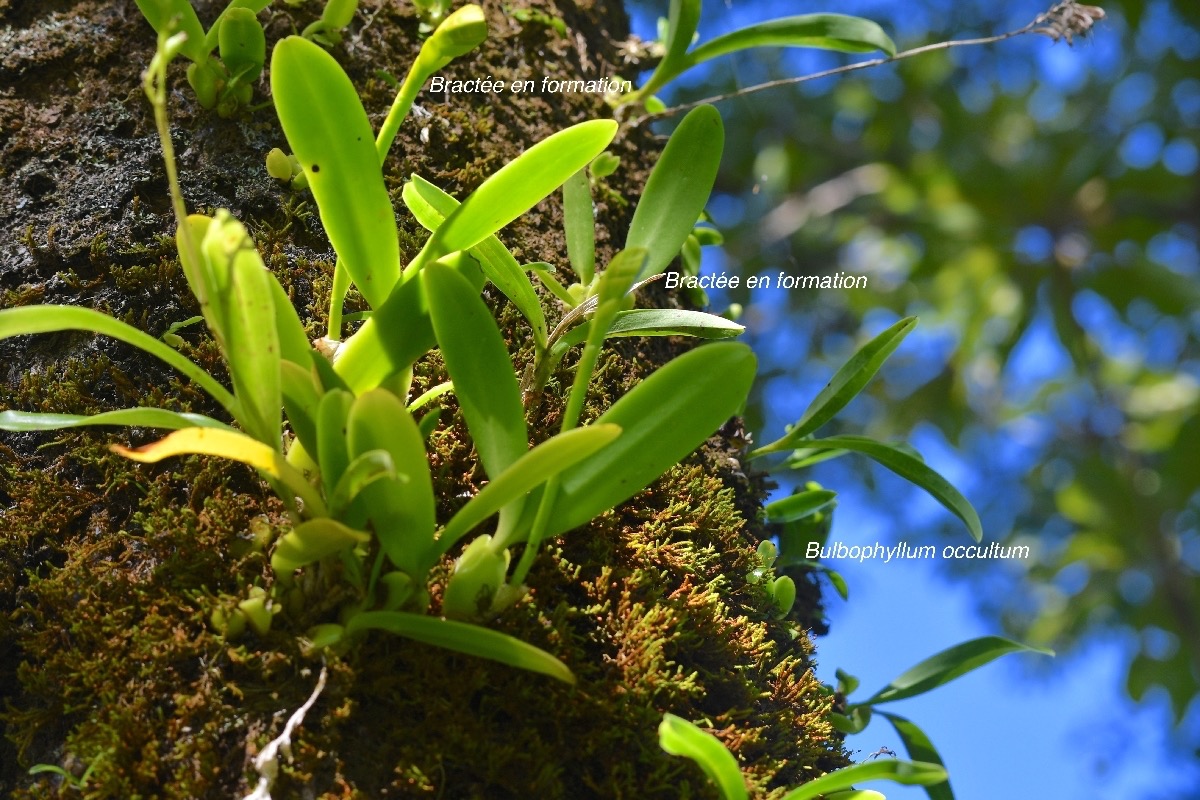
(109, 571)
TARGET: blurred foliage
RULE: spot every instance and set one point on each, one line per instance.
(1037, 205)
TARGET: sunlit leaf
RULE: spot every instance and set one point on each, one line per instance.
(665, 417)
(845, 385)
(908, 773)
(130, 417)
(682, 738)
(402, 512)
(330, 134)
(910, 468)
(293, 342)
(395, 336)
(799, 506)
(463, 637)
(517, 187)
(823, 31)
(658, 322)
(244, 307)
(613, 285)
(579, 222)
(947, 665)
(430, 205)
(311, 541)
(479, 365)
(50, 319)
(171, 16)
(457, 35)
(532, 469)
(227, 444)
(919, 748)
(677, 189)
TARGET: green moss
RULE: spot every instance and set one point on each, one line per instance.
(109, 571)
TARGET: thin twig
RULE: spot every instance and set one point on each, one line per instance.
(1060, 21)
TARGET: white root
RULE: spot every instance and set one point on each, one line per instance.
(267, 762)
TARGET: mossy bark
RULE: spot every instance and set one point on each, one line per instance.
(109, 570)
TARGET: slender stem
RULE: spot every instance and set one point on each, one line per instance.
(874, 62)
(432, 394)
(538, 532)
(399, 110)
(337, 299)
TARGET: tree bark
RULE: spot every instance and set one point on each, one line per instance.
(109, 571)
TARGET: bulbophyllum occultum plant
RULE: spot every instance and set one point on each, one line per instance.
(348, 458)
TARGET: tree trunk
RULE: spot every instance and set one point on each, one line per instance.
(109, 571)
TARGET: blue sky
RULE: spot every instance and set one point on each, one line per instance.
(1024, 726)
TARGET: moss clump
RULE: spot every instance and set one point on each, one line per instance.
(109, 571)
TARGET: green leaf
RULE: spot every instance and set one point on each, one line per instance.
(51, 319)
(908, 773)
(293, 342)
(478, 362)
(854, 721)
(801, 505)
(243, 306)
(330, 134)
(658, 322)
(457, 35)
(311, 541)
(402, 512)
(543, 271)
(823, 31)
(844, 386)
(255, 6)
(663, 419)
(332, 420)
(360, 473)
(954, 662)
(856, 794)
(430, 205)
(337, 14)
(463, 637)
(835, 578)
(395, 336)
(517, 187)
(919, 748)
(230, 444)
(242, 45)
(847, 683)
(679, 737)
(678, 189)
(536, 467)
(171, 16)
(300, 400)
(130, 417)
(910, 468)
(801, 458)
(579, 220)
(682, 20)
(611, 289)
(604, 165)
